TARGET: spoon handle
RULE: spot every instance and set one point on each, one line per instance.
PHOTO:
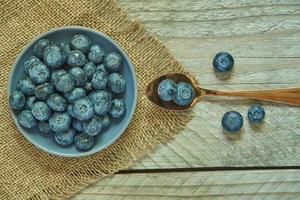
(286, 95)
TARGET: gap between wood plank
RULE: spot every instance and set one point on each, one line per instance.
(206, 169)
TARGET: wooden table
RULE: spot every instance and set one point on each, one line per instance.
(201, 162)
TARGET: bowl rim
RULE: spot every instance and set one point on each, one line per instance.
(132, 71)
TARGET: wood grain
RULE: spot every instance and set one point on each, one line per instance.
(233, 185)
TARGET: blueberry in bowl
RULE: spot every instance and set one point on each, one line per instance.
(62, 97)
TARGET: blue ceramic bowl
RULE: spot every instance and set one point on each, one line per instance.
(109, 135)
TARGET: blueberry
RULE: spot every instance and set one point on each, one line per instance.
(26, 119)
(106, 122)
(223, 62)
(29, 102)
(39, 73)
(17, 100)
(76, 59)
(42, 92)
(80, 42)
(77, 125)
(101, 67)
(101, 101)
(88, 87)
(116, 83)
(65, 46)
(75, 94)
(39, 47)
(29, 62)
(57, 73)
(185, 94)
(54, 56)
(79, 76)
(232, 121)
(64, 83)
(57, 103)
(70, 110)
(45, 129)
(166, 90)
(256, 114)
(83, 109)
(41, 111)
(60, 121)
(26, 86)
(96, 54)
(93, 126)
(84, 142)
(113, 62)
(90, 69)
(99, 80)
(118, 108)
(65, 138)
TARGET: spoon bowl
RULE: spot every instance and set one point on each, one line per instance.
(152, 94)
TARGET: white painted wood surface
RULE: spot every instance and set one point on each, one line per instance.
(264, 38)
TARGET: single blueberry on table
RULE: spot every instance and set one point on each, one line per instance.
(84, 142)
(232, 121)
(101, 67)
(77, 125)
(57, 102)
(88, 87)
(256, 113)
(55, 74)
(185, 94)
(65, 46)
(26, 86)
(99, 80)
(113, 62)
(75, 94)
(45, 129)
(83, 109)
(64, 83)
(166, 90)
(70, 110)
(29, 62)
(90, 69)
(39, 47)
(101, 101)
(39, 73)
(116, 83)
(76, 59)
(41, 111)
(106, 122)
(60, 122)
(96, 54)
(26, 119)
(42, 92)
(65, 138)
(93, 126)
(29, 102)
(80, 42)
(54, 56)
(79, 76)
(17, 100)
(118, 108)
(223, 62)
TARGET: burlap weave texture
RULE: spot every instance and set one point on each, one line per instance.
(28, 173)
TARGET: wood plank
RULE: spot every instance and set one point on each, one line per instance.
(239, 185)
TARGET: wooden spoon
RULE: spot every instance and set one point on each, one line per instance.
(289, 96)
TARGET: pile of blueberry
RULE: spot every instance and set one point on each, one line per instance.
(181, 93)
(70, 91)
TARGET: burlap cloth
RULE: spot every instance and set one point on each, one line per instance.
(28, 173)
